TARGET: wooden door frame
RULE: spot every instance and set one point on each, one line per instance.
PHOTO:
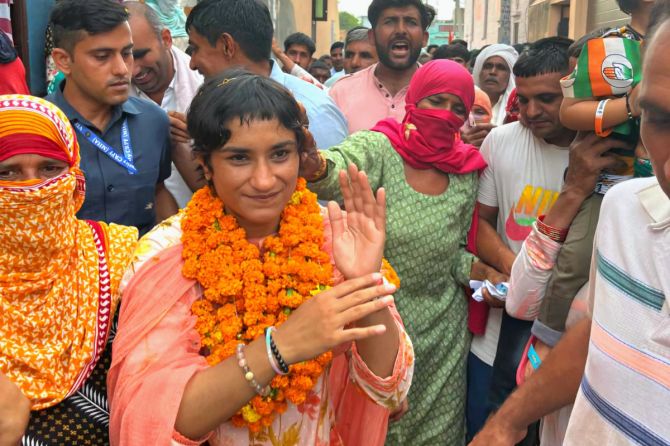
(19, 16)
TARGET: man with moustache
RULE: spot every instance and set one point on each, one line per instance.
(614, 364)
(161, 74)
(125, 146)
(359, 53)
(526, 163)
(493, 74)
(337, 57)
(378, 92)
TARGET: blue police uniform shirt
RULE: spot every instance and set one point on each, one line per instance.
(112, 194)
(326, 122)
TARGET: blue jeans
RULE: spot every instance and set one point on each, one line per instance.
(514, 334)
(478, 407)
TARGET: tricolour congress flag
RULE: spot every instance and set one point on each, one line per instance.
(608, 66)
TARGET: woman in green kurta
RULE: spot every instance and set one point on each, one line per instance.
(431, 180)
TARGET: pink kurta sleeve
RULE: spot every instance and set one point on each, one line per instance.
(386, 392)
(152, 378)
(155, 354)
(391, 391)
(530, 274)
(363, 401)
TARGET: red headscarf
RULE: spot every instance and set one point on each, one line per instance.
(30, 125)
(512, 108)
(427, 138)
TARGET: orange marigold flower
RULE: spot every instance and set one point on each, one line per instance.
(302, 382)
(390, 274)
(281, 407)
(261, 406)
(238, 421)
(295, 396)
(243, 293)
(280, 382)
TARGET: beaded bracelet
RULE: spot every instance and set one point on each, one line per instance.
(275, 353)
(628, 110)
(248, 374)
(268, 348)
(557, 235)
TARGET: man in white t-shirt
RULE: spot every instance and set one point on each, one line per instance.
(616, 361)
(526, 162)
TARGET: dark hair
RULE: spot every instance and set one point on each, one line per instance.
(325, 57)
(628, 6)
(459, 42)
(72, 20)
(450, 51)
(520, 47)
(300, 39)
(575, 50)
(239, 94)
(318, 64)
(548, 55)
(7, 52)
(337, 45)
(430, 47)
(473, 57)
(377, 7)
(659, 15)
(247, 21)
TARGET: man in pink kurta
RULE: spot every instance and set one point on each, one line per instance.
(378, 92)
(365, 101)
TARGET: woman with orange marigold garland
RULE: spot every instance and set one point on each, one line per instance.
(279, 322)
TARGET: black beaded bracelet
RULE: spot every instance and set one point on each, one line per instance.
(275, 352)
(628, 110)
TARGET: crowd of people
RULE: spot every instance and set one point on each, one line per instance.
(211, 237)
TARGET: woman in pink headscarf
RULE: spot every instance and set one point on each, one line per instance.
(430, 177)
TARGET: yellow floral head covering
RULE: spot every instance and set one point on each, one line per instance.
(40, 123)
(59, 276)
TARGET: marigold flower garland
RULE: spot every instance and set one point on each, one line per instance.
(244, 295)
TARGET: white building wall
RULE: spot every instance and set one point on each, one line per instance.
(481, 22)
(519, 31)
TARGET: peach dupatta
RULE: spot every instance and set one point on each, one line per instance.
(359, 419)
(137, 319)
